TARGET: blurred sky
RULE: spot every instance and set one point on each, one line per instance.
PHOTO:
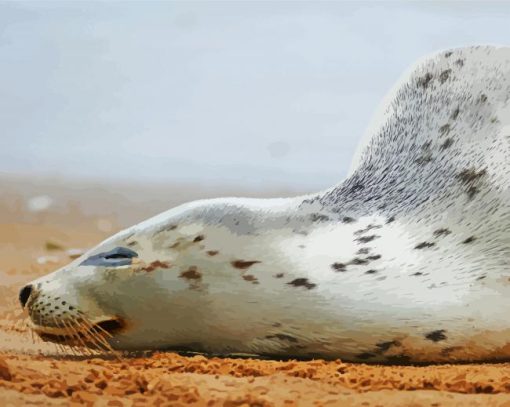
(251, 93)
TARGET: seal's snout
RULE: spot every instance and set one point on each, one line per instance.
(25, 294)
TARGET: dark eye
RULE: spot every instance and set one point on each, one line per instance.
(120, 256)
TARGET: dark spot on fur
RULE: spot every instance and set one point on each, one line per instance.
(424, 81)
(398, 359)
(424, 159)
(481, 277)
(374, 257)
(366, 239)
(384, 346)
(347, 219)
(372, 197)
(448, 54)
(483, 98)
(460, 62)
(338, 266)
(443, 77)
(243, 264)
(199, 238)
(133, 243)
(436, 336)
(357, 187)
(455, 113)
(251, 278)
(365, 355)
(444, 129)
(447, 143)
(279, 275)
(470, 175)
(212, 252)
(358, 261)
(191, 274)
(469, 240)
(371, 271)
(423, 245)
(317, 217)
(368, 228)
(156, 265)
(282, 337)
(442, 232)
(363, 250)
(390, 219)
(472, 191)
(302, 282)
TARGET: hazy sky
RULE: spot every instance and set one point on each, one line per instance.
(251, 93)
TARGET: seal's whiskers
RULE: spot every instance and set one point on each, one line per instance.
(98, 335)
(75, 334)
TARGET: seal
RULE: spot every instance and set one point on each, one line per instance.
(405, 261)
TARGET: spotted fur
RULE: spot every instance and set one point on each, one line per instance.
(404, 261)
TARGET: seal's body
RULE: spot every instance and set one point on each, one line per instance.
(407, 260)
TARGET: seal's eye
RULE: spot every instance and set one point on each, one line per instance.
(120, 256)
(120, 253)
(116, 256)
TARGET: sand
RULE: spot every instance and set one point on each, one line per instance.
(35, 241)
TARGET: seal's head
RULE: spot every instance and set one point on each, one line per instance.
(115, 289)
(156, 285)
(76, 304)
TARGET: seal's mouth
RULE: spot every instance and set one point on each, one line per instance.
(105, 328)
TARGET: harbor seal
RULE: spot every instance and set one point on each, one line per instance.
(405, 261)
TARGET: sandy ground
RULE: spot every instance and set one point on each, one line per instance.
(40, 221)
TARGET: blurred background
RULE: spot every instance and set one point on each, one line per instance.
(129, 108)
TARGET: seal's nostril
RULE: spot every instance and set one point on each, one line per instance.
(24, 294)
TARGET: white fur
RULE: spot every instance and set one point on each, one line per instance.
(427, 202)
